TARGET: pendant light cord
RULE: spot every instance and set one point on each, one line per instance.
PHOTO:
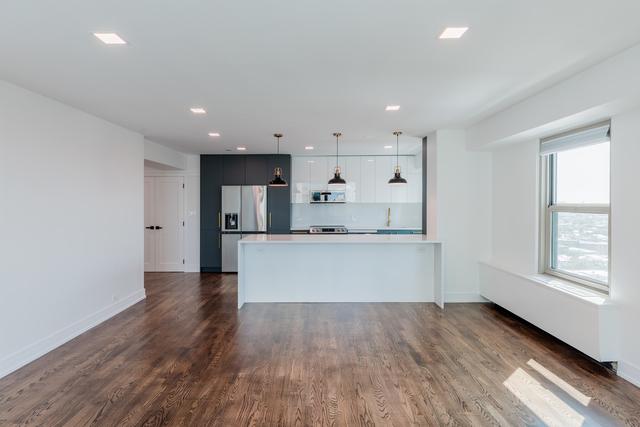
(397, 134)
(278, 136)
(397, 150)
(337, 135)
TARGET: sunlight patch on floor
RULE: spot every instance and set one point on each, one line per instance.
(562, 384)
(551, 409)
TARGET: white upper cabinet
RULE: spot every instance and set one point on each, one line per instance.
(299, 180)
(318, 176)
(384, 171)
(352, 174)
(367, 178)
(414, 179)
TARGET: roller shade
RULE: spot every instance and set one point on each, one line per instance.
(594, 134)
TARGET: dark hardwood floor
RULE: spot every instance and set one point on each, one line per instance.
(186, 356)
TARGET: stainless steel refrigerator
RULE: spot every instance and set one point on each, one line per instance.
(244, 211)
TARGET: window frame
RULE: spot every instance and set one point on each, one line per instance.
(548, 175)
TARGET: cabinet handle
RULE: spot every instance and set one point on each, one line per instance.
(219, 219)
(269, 219)
(219, 241)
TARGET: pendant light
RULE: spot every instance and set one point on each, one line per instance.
(337, 179)
(277, 180)
(397, 179)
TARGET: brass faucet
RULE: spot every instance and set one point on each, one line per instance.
(388, 217)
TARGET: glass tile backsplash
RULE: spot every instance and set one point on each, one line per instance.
(357, 215)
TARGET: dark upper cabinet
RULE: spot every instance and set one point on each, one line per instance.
(210, 193)
(233, 169)
(279, 198)
(256, 170)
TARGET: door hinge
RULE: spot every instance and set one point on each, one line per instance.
(182, 185)
(183, 260)
(183, 223)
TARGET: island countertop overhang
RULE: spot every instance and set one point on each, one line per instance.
(337, 239)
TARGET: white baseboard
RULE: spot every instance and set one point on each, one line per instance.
(629, 372)
(192, 268)
(41, 347)
(452, 297)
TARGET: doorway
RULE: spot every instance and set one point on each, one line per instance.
(164, 223)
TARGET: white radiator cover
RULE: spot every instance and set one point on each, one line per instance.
(587, 323)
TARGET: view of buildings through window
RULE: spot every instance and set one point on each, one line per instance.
(580, 212)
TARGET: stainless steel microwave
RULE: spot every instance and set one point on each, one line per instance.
(328, 197)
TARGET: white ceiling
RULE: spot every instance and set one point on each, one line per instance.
(305, 68)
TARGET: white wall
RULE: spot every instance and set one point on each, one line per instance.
(162, 155)
(515, 207)
(71, 207)
(462, 201)
(191, 174)
(625, 237)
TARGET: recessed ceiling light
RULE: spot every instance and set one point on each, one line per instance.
(198, 110)
(453, 32)
(392, 108)
(309, 147)
(388, 146)
(241, 148)
(214, 134)
(110, 38)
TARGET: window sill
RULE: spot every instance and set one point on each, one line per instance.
(574, 289)
(566, 287)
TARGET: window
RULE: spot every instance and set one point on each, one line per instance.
(575, 209)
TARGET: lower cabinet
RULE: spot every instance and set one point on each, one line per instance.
(210, 251)
(278, 211)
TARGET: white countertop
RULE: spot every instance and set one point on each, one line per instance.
(338, 238)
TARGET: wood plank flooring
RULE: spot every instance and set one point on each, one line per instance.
(186, 356)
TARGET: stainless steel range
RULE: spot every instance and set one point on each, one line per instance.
(328, 229)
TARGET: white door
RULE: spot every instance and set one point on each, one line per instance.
(164, 248)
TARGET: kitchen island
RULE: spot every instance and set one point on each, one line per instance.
(340, 268)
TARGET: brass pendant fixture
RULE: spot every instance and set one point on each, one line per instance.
(397, 178)
(277, 180)
(337, 179)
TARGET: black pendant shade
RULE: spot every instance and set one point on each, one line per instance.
(277, 180)
(397, 178)
(337, 179)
